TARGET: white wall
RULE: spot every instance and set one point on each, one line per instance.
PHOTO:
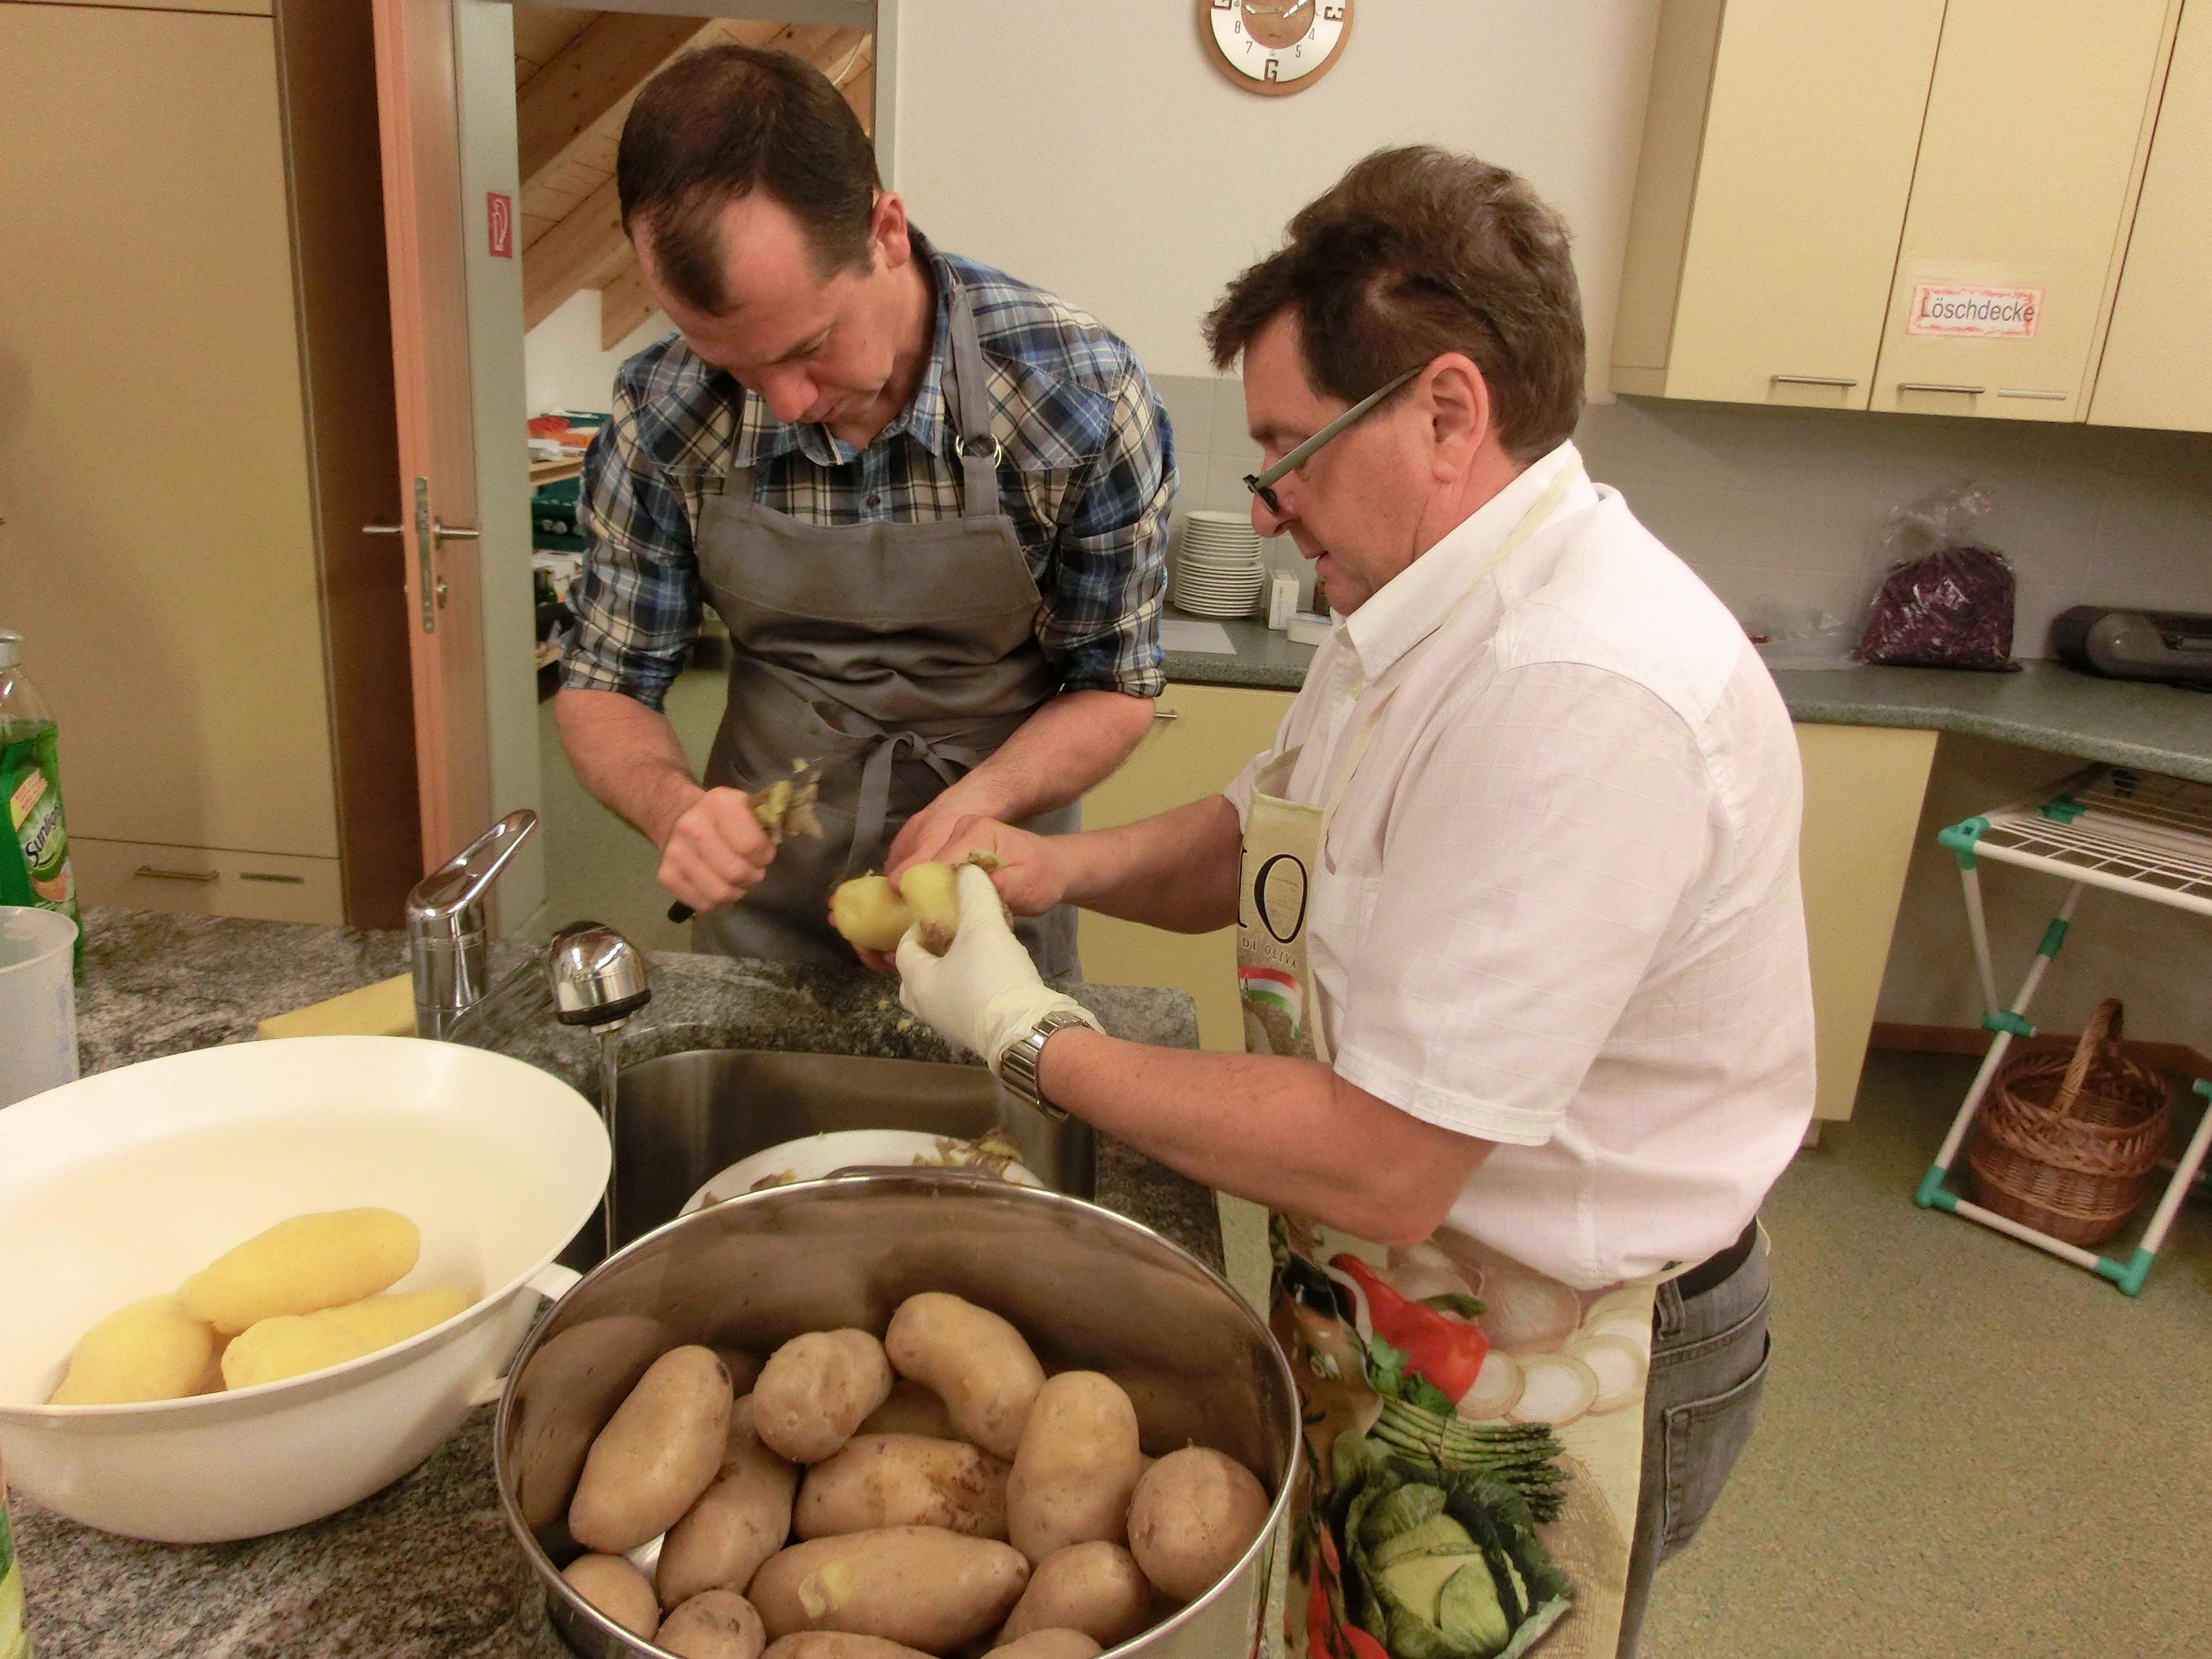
(562, 367)
(1093, 149)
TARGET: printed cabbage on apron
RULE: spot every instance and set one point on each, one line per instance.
(1473, 1428)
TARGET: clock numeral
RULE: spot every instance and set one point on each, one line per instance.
(1328, 14)
(1225, 5)
(1274, 69)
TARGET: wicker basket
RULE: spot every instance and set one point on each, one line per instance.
(2066, 1144)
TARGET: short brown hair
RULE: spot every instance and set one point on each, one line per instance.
(1414, 252)
(721, 123)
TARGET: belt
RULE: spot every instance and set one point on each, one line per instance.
(1715, 1269)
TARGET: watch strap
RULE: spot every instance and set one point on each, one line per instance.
(1017, 1064)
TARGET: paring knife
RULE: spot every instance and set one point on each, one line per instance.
(785, 808)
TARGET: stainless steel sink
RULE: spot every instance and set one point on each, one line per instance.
(683, 1118)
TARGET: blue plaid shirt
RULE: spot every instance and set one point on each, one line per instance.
(1088, 478)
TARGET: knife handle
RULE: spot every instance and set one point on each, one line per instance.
(680, 911)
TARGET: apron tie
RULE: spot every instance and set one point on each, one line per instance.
(872, 811)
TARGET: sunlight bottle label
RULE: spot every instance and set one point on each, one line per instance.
(15, 1640)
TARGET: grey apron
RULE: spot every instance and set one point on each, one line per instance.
(900, 654)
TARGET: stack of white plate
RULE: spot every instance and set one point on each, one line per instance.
(1218, 570)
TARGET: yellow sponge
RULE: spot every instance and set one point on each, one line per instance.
(385, 1009)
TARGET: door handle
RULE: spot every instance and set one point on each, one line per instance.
(384, 530)
(448, 532)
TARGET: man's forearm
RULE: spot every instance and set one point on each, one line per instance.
(1288, 1133)
(1175, 870)
(1056, 754)
(628, 757)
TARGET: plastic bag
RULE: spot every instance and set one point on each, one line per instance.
(1797, 635)
(1947, 600)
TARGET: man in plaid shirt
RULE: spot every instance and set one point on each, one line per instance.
(930, 501)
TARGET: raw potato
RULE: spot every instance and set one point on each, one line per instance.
(869, 911)
(932, 890)
(836, 1645)
(303, 1265)
(738, 1523)
(565, 1396)
(656, 1455)
(911, 1409)
(1055, 1643)
(616, 1590)
(878, 1481)
(1196, 1511)
(291, 1344)
(715, 1624)
(816, 1388)
(150, 1350)
(979, 1365)
(1076, 1467)
(1098, 1589)
(923, 1586)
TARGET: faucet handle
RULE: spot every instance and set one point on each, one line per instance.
(597, 976)
(442, 897)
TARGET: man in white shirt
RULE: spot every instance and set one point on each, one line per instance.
(1551, 947)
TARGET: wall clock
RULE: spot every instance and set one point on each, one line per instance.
(1276, 47)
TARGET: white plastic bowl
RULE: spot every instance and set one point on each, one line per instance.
(119, 1185)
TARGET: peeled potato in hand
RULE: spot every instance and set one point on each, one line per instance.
(869, 911)
(150, 1350)
(292, 1344)
(932, 890)
(303, 1265)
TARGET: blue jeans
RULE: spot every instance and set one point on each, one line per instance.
(1709, 1359)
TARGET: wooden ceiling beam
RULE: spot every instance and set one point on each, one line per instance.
(585, 249)
(592, 80)
(623, 305)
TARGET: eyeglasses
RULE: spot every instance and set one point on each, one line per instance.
(1262, 483)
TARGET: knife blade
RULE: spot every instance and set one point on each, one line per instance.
(784, 808)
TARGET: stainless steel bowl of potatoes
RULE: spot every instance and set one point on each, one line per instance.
(895, 1414)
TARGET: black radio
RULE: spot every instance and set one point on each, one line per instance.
(2172, 646)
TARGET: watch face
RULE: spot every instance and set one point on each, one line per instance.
(1278, 40)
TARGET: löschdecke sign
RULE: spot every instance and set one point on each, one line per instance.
(1989, 313)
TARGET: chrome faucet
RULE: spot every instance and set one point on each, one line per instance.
(447, 949)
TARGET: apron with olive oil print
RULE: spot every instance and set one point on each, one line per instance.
(1473, 1429)
(898, 656)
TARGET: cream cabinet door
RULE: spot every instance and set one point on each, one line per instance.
(1776, 162)
(1862, 789)
(158, 544)
(2157, 367)
(2035, 129)
(1201, 737)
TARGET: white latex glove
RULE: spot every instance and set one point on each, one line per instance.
(984, 992)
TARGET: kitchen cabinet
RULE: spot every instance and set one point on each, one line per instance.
(1200, 738)
(1913, 205)
(2036, 121)
(2157, 367)
(1777, 164)
(195, 421)
(1863, 785)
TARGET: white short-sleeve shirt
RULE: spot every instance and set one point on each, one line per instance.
(1558, 905)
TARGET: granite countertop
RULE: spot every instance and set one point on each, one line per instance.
(426, 1569)
(2047, 705)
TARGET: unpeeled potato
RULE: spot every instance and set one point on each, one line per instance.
(290, 1345)
(303, 1265)
(150, 1350)
(931, 891)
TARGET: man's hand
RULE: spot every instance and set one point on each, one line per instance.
(715, 851)
(984, 992)
(929, 832)
(1028, 878)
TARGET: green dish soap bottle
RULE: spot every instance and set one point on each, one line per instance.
(15, 1640)
(34, 862)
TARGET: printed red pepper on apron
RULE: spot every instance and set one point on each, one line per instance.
(1473, 1428)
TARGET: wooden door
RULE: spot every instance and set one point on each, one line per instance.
(2036, 125)
(1776, 166)
(2157, 367)
(434, 494)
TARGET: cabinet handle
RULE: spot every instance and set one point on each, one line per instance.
(1165, 714)
(1812, 380)
(263, 875)
(153, 874)
(2045, 397)
(1931, 386)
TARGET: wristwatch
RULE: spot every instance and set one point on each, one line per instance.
(1017, 1064)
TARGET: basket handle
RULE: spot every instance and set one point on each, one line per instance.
(2104, 1026)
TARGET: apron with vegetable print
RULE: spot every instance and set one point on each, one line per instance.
(1473, 1429)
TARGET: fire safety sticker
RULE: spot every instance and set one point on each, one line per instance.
(1985, 313)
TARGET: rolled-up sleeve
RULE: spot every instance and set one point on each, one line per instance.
(1101, 623)
(636, 598)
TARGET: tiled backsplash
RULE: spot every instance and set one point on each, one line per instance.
(1787, 505)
